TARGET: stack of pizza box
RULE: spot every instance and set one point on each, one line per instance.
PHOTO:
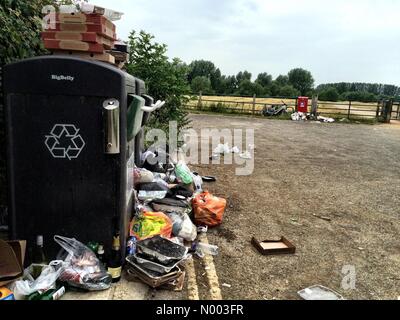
(88, 36)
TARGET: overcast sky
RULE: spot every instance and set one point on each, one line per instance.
(337, 40)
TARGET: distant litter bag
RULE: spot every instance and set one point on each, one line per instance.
(208, 209)
(150, 224)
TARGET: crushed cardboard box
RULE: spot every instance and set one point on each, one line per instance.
(12, 254)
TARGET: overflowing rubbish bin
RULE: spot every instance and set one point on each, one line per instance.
(71, 128)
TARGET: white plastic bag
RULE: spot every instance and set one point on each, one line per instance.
(44, 282)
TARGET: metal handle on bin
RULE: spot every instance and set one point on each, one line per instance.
(154, 106)
(111, 126)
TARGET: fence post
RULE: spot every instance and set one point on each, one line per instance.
(254, 105)
(314, 106)
(348, 115)
(199, 103)
(398, 111)
(378, 109)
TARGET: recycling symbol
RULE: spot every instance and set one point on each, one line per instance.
(65, 142)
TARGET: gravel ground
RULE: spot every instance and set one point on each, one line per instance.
(347, 172)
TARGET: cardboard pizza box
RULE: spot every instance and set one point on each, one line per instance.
(76, 36)
(73, 45)
(12, 258)
(104, 57)
(83, 18)
(82, 28)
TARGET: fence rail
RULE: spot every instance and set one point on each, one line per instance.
(255, 106)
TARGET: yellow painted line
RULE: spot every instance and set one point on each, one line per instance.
(193, 289)
(215, 290)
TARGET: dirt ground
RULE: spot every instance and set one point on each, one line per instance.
(349, 173)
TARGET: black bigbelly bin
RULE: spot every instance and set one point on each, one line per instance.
(71, 129)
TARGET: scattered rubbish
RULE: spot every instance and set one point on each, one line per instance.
(142, 176)
(226, 285)
(222, 149)
(81, 267)
(131, 246)
(150, 224)
(183, 226)
(209, 179)
(12, 255)
(6, 294)
(208, 209)
(235, 150)
(183, 173)
(274, 247)
(298, 116)
(326, 120)
(246, 155)
(319, 293)
(198, 183)
(151, 195)
(146, 263)
(162, 250)
(322, 217)
(93, 9)
(155, 279)
(46, 280)
(171, 205)
(215, 157)
(201, 249)
(202, 229)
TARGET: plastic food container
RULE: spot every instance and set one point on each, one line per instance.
(161, 250)
(144, 263)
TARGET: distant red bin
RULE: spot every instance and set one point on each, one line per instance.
(302, 104)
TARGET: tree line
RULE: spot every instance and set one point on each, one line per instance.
(204, 76)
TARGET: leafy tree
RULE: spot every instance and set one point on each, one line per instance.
(282, 80)
(274, 89)
(264, 79)
(302, 80)
(201, 84)
(203, 68)
(359, 96)
(329, 94)
(289, 91)
(229, 85)
(241, 76)
(248, 88)
(165, 79)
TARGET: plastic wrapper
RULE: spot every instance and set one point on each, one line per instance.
(150, 224)
(81, 268)
(201, 249)
(142, 176)
(44, 282)
(183, 227)
(183, 173)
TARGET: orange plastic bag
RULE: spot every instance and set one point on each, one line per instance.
(208, 209)
(150, 224)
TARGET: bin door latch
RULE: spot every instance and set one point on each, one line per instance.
(111, 112)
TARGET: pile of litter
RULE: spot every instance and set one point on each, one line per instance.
(224, 149)
(171, 211)
(300, 116)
